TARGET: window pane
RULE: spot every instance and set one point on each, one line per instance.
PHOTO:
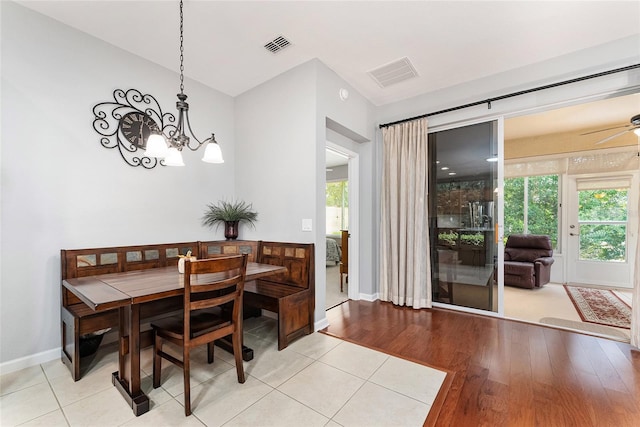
(337, 207)
(543, 206)
(603, 205)
(513, 206)
(603, 242)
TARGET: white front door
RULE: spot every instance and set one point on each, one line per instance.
(603, 229)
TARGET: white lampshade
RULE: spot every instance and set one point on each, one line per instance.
(156, 146)
(173, 158)
(212, 153)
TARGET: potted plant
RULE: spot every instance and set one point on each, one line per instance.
(231, 214)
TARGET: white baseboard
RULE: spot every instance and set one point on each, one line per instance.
(370, 297)
(29, 361)
(320, 324)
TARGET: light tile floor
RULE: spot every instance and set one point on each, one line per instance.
(333, 295)
(317, 380)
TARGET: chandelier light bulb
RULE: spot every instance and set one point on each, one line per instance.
(212, 153)
(174, 157)
(156, 146)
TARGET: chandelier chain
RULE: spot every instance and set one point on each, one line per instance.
(181, 50)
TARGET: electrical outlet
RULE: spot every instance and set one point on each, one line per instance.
(306, 225)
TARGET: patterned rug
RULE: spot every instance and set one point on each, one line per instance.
(600, 306)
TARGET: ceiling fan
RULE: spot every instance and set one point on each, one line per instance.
(634, 126)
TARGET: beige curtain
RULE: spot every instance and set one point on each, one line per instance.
(405, 270)
(635, 301)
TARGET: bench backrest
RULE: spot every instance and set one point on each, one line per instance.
(230, 247)
(297, 257)
(91, 262)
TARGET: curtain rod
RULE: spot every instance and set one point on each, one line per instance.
(511, 95)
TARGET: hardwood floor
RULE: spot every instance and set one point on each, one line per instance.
(503, 372)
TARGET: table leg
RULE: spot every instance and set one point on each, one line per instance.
(127, 379)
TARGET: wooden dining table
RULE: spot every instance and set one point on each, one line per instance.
(130, 292)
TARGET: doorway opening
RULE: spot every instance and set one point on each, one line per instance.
(337, 227)
(567, 177)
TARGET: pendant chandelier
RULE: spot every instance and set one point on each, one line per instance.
(170, 147)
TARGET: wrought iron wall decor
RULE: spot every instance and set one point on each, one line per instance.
(126, 123)
(136, 121)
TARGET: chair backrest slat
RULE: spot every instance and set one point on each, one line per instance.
(218, 285)
(213, 302)
(227, 286)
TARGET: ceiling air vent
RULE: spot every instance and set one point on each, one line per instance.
(277, 44)
(394, 72)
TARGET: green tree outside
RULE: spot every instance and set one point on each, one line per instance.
(337, 194)
(601, 239)
(542, 206)
(602, 236)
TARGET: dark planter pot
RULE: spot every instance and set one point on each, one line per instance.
(231, 230)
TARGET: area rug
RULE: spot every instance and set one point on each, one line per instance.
(600, 306)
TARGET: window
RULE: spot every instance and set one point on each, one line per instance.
(531, 206)
(337, 206)
(602, 216)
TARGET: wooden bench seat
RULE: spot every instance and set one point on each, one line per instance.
(77, 320)
(290, 295)
(269, 289)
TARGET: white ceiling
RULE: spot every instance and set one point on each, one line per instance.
(335, 159)
(577, 118)
(448, 42)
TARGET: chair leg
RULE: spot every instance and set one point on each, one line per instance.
(157, 360)
(237, 352)
(341, 282)
(187, 385)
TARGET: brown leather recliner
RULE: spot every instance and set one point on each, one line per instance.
(527, 260)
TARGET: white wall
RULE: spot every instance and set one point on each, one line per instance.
(281, 136)
(354, 118)
(62, 189)
(275, 166)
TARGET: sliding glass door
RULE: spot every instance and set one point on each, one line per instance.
(464, 216)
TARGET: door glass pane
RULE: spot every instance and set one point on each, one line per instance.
(462, 210)
(603, 242)
(602, 215)
(603, 205)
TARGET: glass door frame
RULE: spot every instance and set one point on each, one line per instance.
(498, 221)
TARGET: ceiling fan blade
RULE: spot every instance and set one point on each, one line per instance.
(609, 138)
(602, 130)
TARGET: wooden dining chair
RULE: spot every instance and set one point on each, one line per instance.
(209, 284)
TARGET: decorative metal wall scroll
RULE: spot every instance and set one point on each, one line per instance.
(126, 122)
